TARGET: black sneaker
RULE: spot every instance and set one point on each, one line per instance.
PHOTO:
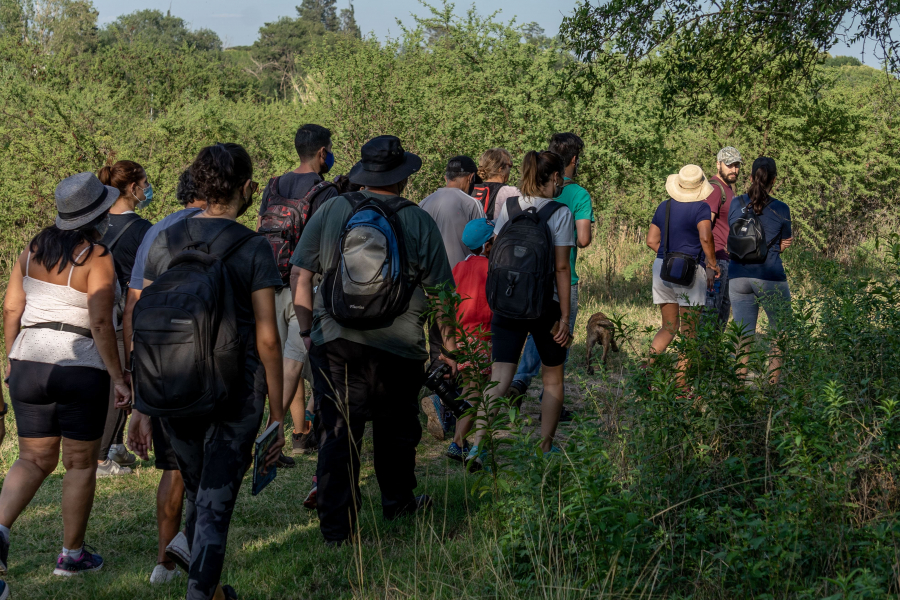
(285, 462)
(517, 393)
(4, 553)
(229, 592)
(4, 590)
(66, 566)
(566, 415)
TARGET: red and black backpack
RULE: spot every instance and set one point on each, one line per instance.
(486, 195)
(283, 221)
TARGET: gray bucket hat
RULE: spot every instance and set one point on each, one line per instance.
(82, 198)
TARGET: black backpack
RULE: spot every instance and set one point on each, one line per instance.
(522, 264)
(187, 355)
(110, 245)
(746, 237)
(486, 195)
(367, 285)
(283, 220)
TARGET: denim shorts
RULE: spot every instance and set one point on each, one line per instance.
(748, 294)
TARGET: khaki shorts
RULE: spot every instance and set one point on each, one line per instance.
(669, 293)
(289, 330)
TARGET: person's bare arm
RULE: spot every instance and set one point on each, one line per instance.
(654, 238)
(101, 298)
(127, 329)
(584, 232)
(302, 289)
(268, 344)
(14, 307)
(786, 243)
(704, 228)
(448, 335)
(564, 291)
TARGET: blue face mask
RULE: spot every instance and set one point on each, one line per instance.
(148, 196)
(329, 162)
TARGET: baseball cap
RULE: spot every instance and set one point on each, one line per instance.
(729, 155)
(477, 233)
(461, 164)
(764, 162)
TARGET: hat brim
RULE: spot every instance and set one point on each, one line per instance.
(68, 224)
(411, 164)
(679, 194)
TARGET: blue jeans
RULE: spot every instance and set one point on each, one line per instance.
(748, 295)
(530, 363)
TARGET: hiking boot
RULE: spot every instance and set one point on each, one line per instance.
(434, 410)
(305, 443)
(310, 501)
(229, 592)
(4, 553)
(66, 566)
(517, 393)
(178, 552)
(285, 462)
(161, 574)
(122, 457)
(109, 468)
(4, 590)
(419, 504)
(456, 453)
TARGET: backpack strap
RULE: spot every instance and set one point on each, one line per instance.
(548, 209)
(178, 239)
(722, 196)
(121, 232)
(513, 210)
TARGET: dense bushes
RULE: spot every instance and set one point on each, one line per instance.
(745, 489)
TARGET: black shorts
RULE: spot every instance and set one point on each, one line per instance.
(54, 401)
(508, 337)
(163, 455)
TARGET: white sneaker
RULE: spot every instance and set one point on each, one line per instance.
(119, 455)
(178, 551)
(110, 469)
(161, 574)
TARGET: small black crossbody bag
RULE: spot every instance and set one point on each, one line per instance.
(677, 268)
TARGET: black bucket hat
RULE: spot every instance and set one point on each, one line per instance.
(384, 162)
(81, 198)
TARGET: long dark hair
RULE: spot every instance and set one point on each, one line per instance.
(760, 183)
(537, 168)
(220, 170)
(56, 247)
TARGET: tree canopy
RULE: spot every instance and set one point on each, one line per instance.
(154, 27)
(705, 49)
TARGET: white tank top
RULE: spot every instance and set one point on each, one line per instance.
(47, 302)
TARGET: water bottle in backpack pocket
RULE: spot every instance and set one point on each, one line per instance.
(746, 237)
(367, 285)
(522, 267)
(187, 355)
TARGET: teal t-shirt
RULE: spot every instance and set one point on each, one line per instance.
(579, 202)
(426, 257)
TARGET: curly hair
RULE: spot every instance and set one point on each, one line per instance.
(491, 163)
(187, 189)
(121, 175)
(219, 170)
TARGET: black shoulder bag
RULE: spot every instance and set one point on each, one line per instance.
(677, 267)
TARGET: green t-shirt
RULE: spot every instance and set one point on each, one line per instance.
(579, 202)
(425, 255)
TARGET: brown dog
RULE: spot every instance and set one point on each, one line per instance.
(600, 330)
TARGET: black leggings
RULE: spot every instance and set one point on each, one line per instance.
(54, 401)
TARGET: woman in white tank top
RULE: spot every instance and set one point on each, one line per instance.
(61, 345)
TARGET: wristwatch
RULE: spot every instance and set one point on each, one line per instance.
(305, 333)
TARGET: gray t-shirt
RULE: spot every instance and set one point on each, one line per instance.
(252, 268)
(137, 272)
(451, 209)
(425, 256)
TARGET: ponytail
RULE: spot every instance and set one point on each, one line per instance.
(537, 169)
(761, 182)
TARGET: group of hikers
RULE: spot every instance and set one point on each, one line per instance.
(190, 324)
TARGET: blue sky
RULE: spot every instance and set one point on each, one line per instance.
(238, 21)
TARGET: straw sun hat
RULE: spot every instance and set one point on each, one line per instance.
(688, 185)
